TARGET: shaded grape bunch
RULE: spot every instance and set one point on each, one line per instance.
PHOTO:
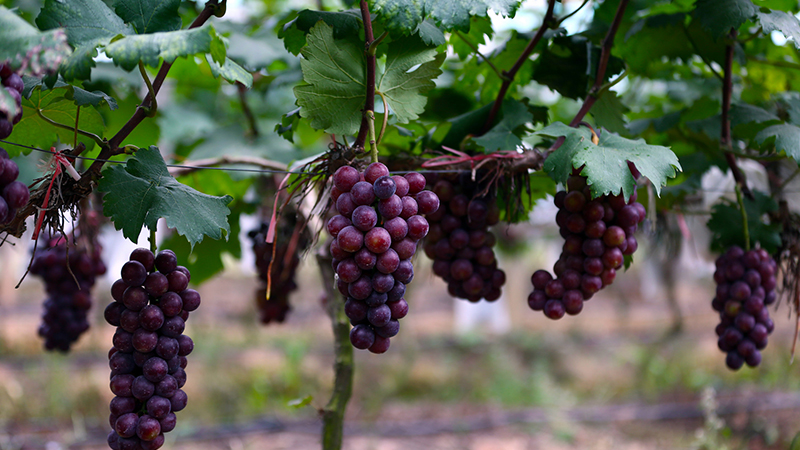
(460, 243)
(13, 194)
(13, 84)
(287, 258)
(745, 287)
(68, 299)
(151, 305)
(375, 235)
(597, 233)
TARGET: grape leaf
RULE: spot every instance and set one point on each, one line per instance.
(406, 15)
(747, 120)
(502, 136)
(567, 66)
(402, 87)
(142, 191)
(430, 34)
(784, 137)
(150, 16)
(344, 23)
(479, 29)
(727, 228)
(464, 125)
(609, 113)
(288, 125)
(785, 23)
(231, 71)
(84, 21)
(719, 16)
(605, 164)
(151, 48)
(334, 70)
(333, 98)
(34, 131)
(81, 97)
(28, 49)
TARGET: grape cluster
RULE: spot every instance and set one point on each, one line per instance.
(745, 287)
(287, 258)
(152, 304)
(14, 193)
(460, 243)
(375, 235)
(69, 299)
(598, 234)
(13, 85)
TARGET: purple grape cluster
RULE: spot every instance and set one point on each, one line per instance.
(598, 234)
(152, 304)
(13, 85)
(460, 243)
(745, 287)
(14, 193)
(283, 270)
(69, 299)
(375, 235)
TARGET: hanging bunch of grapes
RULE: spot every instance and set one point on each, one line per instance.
(68, 272)
(598, 234)
(460, 243)
(152, 302)
(13, 84)
(277, 264)
(379, 222)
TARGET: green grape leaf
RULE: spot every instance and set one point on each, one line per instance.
(288, 125)
(568, 67)
(402, 87)
(479, 29)
(430, 34)
(334, 72)
(301, 402)
(503, 136)
(150, 16)
(464, 125)
(344, 23)
(34, 131)
(727, 228)
(81, 97)
(26, 48)
(783, 137)
(151, 48)
(719, 16)
(84, 21)
(142, 191)
(747, 120)
(605, 164)
(780, 21)
(609, 113)
(406, 15)
(333, 98)
(231, 71)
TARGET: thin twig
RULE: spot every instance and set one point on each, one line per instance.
(153, 103)
(784, 64)
(546, 23)
(488, 61)
(248, 113)
(385, 116)
(585, 2)
(223, 160)
(97, 139)
(745, 227)
(725, 135)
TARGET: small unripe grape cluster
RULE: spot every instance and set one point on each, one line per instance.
(375, 234)
(598, 234)
(13, 194)
(460, 243)
(12, 83)
(283, 270)
(745, 287)
(69, 299)
(151, 305)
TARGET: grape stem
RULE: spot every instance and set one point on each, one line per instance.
(508, 77)
(725, 135)
(373, 146)
(97, 139)
(153, 108)
(369, 53)
(742, 209)
(385, 116)
(343, 366)
(153, 246)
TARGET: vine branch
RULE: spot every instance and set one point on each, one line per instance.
(97, 139)
(509, 75)
(248, 113)
(725, 134)
(333, 412)
(223, 160)
(369, 51)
